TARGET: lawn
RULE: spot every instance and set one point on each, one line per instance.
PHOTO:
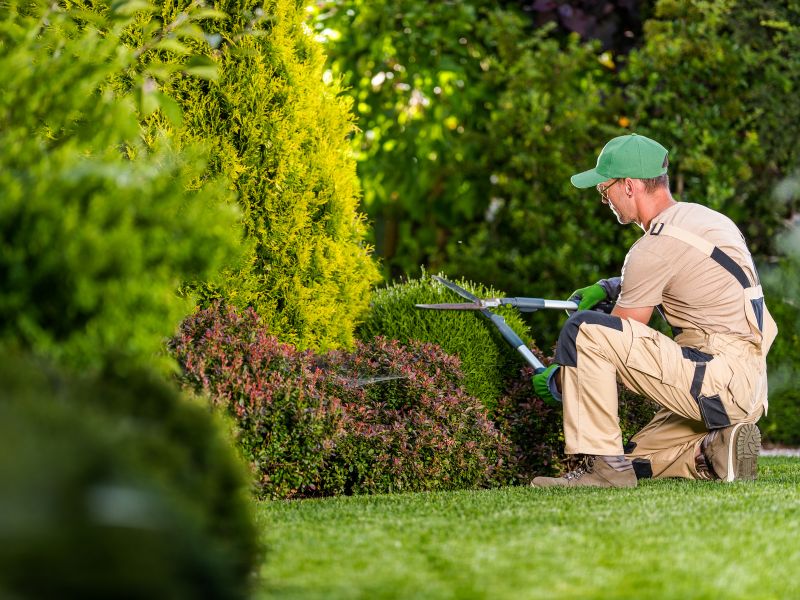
(664, 539)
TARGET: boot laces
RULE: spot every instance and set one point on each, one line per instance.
(582, 466)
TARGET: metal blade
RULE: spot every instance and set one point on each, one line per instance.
(464, 306)
(498, 321)
(457, 289)
(371, 380)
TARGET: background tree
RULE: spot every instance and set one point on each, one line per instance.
(490, 199)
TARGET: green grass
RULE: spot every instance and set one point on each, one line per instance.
(664, 539)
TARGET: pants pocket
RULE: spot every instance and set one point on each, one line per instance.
(658, 356)
(675, 370)
(644, 354)
(723, 395)
(713, 411)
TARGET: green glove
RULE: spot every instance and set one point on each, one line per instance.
(589, 297)
(544, 384)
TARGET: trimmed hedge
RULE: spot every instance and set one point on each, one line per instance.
(486, 359)
(117, 487)
(320, 424)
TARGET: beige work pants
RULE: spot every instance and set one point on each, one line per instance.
(595, 350)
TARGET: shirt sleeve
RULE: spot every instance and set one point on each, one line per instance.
(645, 274)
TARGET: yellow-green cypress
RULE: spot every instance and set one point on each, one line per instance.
(279, 134)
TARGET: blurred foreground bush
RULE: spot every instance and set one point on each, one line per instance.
(110, 483)
(97, 231)
(116, 488)
(331, 424)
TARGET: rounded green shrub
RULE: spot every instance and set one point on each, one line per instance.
(486, 359)
(116, 487)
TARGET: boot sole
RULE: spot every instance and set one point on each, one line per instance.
(743, 456)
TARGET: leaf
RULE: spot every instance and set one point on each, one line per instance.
(169, 107)
(162, 71)
(191, 31)
(208, 13)
(129, 7)
(202, 67)
(171, 45)
(203, 72)
(148, 103)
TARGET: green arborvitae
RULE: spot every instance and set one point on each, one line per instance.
(279, 134)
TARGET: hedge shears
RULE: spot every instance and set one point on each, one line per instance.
(483, 306)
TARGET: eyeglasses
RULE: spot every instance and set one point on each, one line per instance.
(603, 190)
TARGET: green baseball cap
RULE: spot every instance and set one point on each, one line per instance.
(633, 156)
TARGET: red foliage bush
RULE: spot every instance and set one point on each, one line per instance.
(332, 424)
(420, 431)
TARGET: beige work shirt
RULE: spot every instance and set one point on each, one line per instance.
(694, 291)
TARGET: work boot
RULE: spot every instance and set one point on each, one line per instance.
(732, 452)
(593, 471)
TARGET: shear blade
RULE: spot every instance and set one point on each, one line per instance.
(465, 306)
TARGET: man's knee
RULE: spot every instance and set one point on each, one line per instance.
(566, 348)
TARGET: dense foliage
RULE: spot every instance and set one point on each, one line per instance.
(116, 487)
(782, 284)
(96, 233)
(278, 135)
(473, 121)
(716, 81)
(486, 359)
(489, 118)
(384, 417)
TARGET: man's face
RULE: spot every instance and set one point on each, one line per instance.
(612, 192)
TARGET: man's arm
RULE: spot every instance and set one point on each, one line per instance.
(638, 314)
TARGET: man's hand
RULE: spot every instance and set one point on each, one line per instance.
(599, 296)
(545, 384)
(589, 297)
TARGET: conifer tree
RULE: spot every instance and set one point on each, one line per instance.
(279, 134)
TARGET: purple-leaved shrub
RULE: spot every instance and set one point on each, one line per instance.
(284, 421)
(421, 431)
(332, 424)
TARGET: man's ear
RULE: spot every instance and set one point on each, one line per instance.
(629, 186)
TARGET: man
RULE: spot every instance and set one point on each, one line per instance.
(692, 264)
